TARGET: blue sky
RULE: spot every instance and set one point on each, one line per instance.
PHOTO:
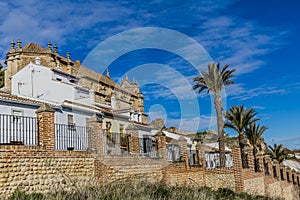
(260, 39)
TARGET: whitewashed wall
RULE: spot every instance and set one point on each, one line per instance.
(41, 83)
(61, 117)
(7, 108)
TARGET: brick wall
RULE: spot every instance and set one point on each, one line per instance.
(41, 168)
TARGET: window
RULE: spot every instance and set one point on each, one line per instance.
(58, 79)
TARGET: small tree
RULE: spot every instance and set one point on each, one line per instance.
(277, 152)
(238, 118)
(254, 134)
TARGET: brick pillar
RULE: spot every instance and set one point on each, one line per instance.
(250, 160)
(288, 175)
(261, 163)
(202, 157)
(183, 150)
(161, 145)
(238, 169)
(134, 144)
(293, 176)
(283, 171)
(46, 129)
(96, 135)
(270, 166)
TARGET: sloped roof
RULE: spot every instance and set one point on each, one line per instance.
(34, 48)
(292, 164)
(9, 97)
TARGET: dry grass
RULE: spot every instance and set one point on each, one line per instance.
(142, 191)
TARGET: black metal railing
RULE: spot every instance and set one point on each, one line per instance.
(212, 160)
(148, 148)
(71, 137)
(18, 130)
(111, 143)
(173, 153)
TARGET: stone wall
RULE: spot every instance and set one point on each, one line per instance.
(255, 186)
(220, 178)
(35, 169)
(132, 168)
(274, 189)
(178, 174)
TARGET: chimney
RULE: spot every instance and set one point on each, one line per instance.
(49, 46)
(12, 46)
(38, 61)
(19, 44)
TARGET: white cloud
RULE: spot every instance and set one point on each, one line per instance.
(239, 92)
(193, 124)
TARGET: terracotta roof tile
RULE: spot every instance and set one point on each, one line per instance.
(34, 48)
(4, 96)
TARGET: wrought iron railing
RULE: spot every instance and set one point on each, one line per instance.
(148, 148)
(71, 137)
(18, 130)
(213, 160)
(173, 153)
(112, 143)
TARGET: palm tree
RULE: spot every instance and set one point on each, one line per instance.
(254, 134)
(214, 80)
(238, 118)
(278, 152)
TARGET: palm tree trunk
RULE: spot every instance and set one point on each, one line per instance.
(220, 124)
(242, 145)
(255, 161)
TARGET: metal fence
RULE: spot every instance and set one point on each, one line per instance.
(173, 153)
(148, 148)
(71, 137)
(111, 143)
(213, 160)
(18, 130)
